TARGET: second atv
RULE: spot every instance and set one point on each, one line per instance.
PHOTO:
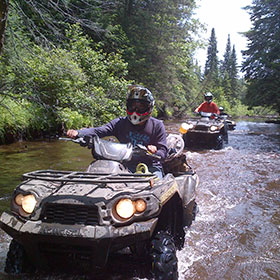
(208, 131)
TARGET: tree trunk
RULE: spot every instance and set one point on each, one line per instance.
(3, 21)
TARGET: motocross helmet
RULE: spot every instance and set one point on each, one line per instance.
(139, 104)
(208, 96)
(221, 109)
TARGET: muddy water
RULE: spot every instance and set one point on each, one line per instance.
(236, 234)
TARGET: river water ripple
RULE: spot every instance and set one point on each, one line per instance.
(236, 234)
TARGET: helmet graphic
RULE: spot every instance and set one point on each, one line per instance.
(208, 96)
(139, 104)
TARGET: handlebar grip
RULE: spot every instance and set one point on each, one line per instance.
(64, 139)
(155, 156)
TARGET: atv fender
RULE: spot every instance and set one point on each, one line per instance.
(187, 192)
(187, 185)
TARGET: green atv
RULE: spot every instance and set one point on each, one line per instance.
(82, 218)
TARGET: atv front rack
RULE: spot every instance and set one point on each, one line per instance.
(87, 177)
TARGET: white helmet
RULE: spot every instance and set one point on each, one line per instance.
(208, 96)
(139, 104)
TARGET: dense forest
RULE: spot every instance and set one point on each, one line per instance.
(67, 63)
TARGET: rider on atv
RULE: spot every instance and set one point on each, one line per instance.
(208, 105)
(138, 127)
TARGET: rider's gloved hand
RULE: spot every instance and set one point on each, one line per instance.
(72, 133)
(152, 149)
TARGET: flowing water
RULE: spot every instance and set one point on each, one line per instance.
(236, 234)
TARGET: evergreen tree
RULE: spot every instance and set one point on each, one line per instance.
(233, 74)
(229, 73)
(160, 34)
(225, 67)
(225, 71)
(262, 64)
(211, 72)
(226, 86)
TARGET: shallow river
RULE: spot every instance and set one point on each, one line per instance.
(236, 234)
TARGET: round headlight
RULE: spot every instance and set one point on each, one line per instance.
(28, 203)
(18, 199)
(213, 127)
(125, 208)
(185, 127)
(140, 205)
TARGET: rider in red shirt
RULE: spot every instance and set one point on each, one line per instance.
(208, 105)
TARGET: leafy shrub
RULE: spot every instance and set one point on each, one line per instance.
(74, 86)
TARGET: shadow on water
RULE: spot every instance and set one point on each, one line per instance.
(237, 232)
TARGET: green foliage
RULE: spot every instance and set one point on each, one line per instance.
(53, 75)
(262, 64)
(236, 110)
(18, 117)
(73, 119)
(161, 35)
(76, 86)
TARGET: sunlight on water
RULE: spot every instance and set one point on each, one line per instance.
(234, 233)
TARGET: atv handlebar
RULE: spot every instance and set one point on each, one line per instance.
(207, 114)
(82, 141)
(87, 141)
(140, 149)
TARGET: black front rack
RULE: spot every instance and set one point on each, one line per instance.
(87, 177)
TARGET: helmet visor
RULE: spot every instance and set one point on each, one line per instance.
(208, 98)
(140, 107)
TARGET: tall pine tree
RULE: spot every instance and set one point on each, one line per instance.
(229, 73)
(233, 75)
(225, 67)
(161, 33)
(211, 72)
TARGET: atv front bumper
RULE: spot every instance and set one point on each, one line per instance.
(196, 138)
(44, 240)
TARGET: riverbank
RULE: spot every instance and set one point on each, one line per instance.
(28, 135)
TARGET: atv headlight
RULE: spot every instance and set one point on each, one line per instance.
(27, 202)
(140, 205)
(125, 208)
(191, 125)
(18, 199)
(213, 128)
(185, 127)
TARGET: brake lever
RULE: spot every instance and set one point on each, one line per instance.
(144, 149)
(81, 141)
(78, 140)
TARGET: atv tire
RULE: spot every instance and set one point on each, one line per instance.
(219, 143)
(17, 261)
(164, 259)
